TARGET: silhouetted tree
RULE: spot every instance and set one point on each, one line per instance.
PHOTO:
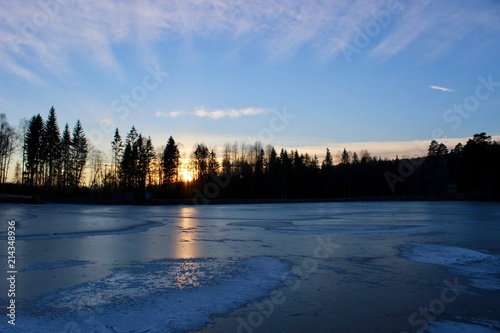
(140, 163)
(158, 165)
(327, 164)
(8, 143)
(479, 166)
(226, 159)
(436, 169)
(146, 157)
(468, 171)
(345, 173)
(200, 158)
(171, 160)
(79, 152)
(285, 172)
(213, 165)
(129, 163)
(355, 158)
(458, 148)
(327, 174)
(344, 158)
(365, 156)
(259, 163)
(442, 150)
(433, 148)
(117, 151)
(127, 167)
(314, 163)
(66, 172)
(51, 149)
(273, 173)
(33, 148)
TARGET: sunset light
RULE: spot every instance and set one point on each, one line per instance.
(186, 176)
(250, 166)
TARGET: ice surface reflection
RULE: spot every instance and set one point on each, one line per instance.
(173, 268)
(186, 245)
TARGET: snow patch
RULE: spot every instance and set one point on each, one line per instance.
(459, 327)
(482, 269)
(161, 296)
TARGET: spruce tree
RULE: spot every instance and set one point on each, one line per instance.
(171, 157)
(66, 168)
(33, 149)
(344, 158)
(80, 150)
(117, 150)
(327, 164)
(51, 147)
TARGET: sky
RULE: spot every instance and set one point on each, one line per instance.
(387, 76)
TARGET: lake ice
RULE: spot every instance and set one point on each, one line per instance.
(358, 267)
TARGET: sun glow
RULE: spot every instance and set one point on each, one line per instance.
(186, 175)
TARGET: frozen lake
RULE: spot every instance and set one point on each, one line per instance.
(315, 267)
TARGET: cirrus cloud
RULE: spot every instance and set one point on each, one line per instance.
(55, 34)
(203, 112)
(440, 88)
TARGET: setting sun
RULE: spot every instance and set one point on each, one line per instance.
(186, 175)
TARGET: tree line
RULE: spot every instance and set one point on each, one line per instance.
(8, 141)
(65, 163)
(51, 159)
(468, 171)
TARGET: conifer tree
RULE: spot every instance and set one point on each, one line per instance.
(327, 164)
(79, 152)
(171, 157)
(344, 158)
(66, 171)
(33, 149)
(117, 150)
(149, 156)
(51, 148)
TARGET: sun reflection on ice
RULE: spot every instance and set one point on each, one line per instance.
(187, 246)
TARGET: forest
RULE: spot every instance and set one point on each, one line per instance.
(57, 165)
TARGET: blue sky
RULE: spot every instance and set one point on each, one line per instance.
(388, 76)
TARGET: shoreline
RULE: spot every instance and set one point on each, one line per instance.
(121, 201)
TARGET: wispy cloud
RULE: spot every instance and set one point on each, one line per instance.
(228, 113)
(435, 27)
(202, 112)
(440, 88)
(56, 37)
(171, 114)
(14, 67)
